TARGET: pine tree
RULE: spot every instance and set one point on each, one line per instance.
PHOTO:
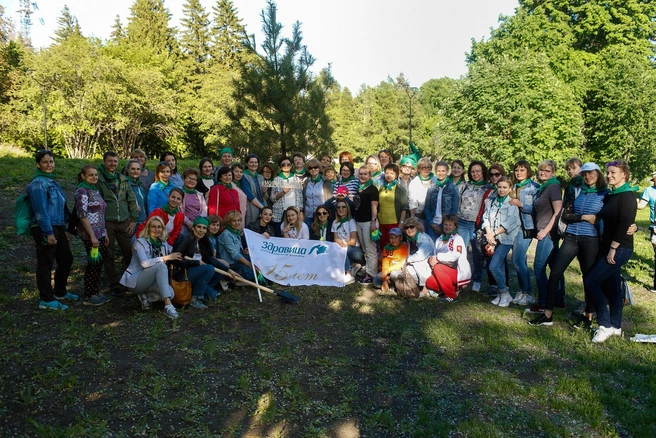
(148, 26)
(227, 34)
(68, 26)
(195, 35)
(118, 32)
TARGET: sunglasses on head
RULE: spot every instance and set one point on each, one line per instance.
(612, 164)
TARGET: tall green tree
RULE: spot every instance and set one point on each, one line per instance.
(228, 34)
(195, 35)
(67, 26)
(148, 26)
(118, 33)
(280, 105)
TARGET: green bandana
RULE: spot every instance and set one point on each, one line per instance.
(389, 186)
(589, 189)
(136, 181)
(108, 176)
(207, 177)
(349, 179)
(189, 191)
(162, 185)
(552, 180)
(414, 239)
(446, 237)
(317, 179)
(430, 177)
(364, 186)
(460, 181)
(524, 183)
(441, 184)
(390, 247)
(39, 172)
(234, 231)
(376, 175)
(86, 185)
(286, 178)
(342, 221)
(623, 188)
(251, 174)
(478, 183)
(299, 172)
(500, 200)
(577, 181)
(155, 242)
(227, 186)
(168, 210)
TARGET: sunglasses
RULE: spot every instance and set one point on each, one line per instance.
(409, 227)
(323, 213)
(285, 164)
(612, 164)
(494, 174)
(313, 168)
(341, 207)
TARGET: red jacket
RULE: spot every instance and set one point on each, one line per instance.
(178, 223)
(222, 200)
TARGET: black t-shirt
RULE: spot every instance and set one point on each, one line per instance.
(362, 202)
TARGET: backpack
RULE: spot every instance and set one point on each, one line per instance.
(23, 214)
(406, 286)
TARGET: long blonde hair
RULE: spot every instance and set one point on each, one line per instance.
(145, 232)
(299, 223)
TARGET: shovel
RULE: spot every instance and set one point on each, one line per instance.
(284, 295)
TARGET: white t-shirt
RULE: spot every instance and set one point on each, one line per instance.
(344, 232)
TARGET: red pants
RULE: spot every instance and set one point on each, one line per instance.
(444, 279)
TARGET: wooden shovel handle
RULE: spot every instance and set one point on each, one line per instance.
(243, 280)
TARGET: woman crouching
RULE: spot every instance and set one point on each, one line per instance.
(148, 275)
(449, 265)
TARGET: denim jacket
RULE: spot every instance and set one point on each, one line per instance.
(506, 216)
(450, 200)
(526, 195)
(48, 203)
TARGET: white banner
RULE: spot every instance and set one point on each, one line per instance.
(297, 262)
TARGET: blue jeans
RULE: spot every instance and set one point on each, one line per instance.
(585, 248)
(498, 266)
(545, 253)
(520, 248)
(604, 282)
(466, 230)
(354, 254)
(203, 279)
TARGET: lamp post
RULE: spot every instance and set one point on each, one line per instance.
(411, 92)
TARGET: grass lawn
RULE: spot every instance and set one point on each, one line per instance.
(344, 362)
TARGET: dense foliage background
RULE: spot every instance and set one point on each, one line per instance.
(557, 79)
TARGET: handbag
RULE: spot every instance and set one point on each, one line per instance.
(406, 286)
(181, 289)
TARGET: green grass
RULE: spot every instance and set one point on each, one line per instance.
(343, 362)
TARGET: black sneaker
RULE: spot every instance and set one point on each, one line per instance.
(366, 280)
(447, 300)
(583, 323)
(541, 320)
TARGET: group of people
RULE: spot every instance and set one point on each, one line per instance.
(414, 219)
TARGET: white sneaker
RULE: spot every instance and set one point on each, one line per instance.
(526, 300)
(496, 300)
(505, 300)
(171, 312)
(476, 287)
(518, 297)
(355, 269)
(348, 278)
(617, 331)
(603, 333)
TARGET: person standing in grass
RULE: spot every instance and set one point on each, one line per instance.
(134, 171)
(49, 233)
(581, 241)
(91, 208)
(176, 179)
(649, 198)
(252, 184)
(442, 198)
(365, 201)
(604, 282)
(501, 225)
(193, 202)
(120, 216)
(206, 180)
(148, 274)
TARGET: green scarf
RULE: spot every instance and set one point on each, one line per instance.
(162, 185)
(389, 186)
(189, 191)
(156, 243)
(342, 221)
(524, 183)
(108, 176)
(168, 210)
(364, 186)
(136, 181)
(446, 237)
(626, 187)
(251, 174)
(86, 185)
(577, 181)
(207, 177)
(422, 179)
(299, 172)
(286, 178)
(39, 172)
(589, 189)
(478, 183)
(441, 184)
(500, 200)
(413, 239)
(552, 180)
(349, 179)
(234, 231)
(390, 247)
(376, 175)
(227, 186)
(317, 179)
(460, 181)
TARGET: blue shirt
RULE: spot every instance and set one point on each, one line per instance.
(649, 195)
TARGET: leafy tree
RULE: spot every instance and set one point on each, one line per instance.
(67, 26)
(279, 105)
